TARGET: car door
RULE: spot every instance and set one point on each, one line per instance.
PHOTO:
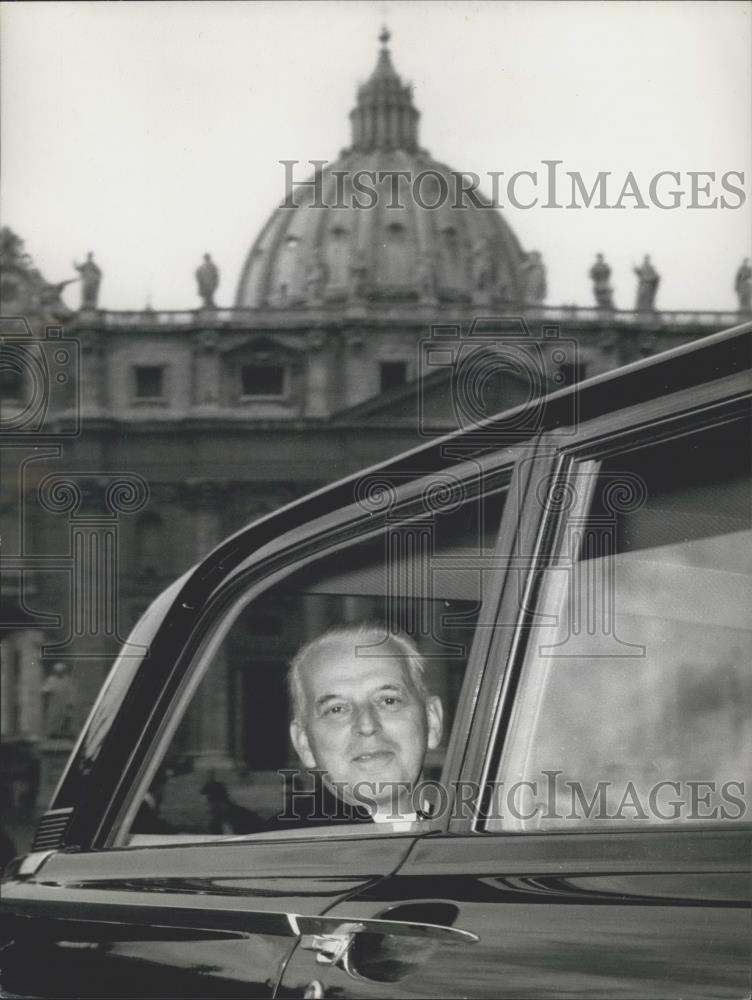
(196, 920)
(599, 840)
(175, 896)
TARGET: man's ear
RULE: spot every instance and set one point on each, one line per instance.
(299, 739)
(435, 717)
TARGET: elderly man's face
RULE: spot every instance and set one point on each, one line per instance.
(365, 722)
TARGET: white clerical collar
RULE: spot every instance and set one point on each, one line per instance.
(399, 824)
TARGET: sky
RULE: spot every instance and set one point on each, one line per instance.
(151, 133)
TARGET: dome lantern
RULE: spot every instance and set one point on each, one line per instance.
(384, 116)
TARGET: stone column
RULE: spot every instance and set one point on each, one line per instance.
(93, 374)
(317, 401)
(355, 376)
(205, 502)
(29, 646)
(206, 370)
(207, 719)
(7, 688)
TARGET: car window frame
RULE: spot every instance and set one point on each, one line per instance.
(267, 567)
(667, 418)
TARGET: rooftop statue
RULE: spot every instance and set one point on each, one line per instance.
(648, 280)
(359, 273)
(482, 265)
(58, 702)
(91, 278)
(600, 275)
(207, 277)
(534, 276)
(316, 278)
(743, 286)
(424, 274)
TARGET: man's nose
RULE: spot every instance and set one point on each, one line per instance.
(367, 720)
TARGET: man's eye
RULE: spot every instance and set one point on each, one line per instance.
(335, 710)
(390, 700)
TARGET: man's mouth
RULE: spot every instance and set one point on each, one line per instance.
(372, 755)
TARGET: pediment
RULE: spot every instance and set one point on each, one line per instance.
(261, 348)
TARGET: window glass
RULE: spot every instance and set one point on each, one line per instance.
(149, 381)
(226, 769)
(262, 380)
(635, 694)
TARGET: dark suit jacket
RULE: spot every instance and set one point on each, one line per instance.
(317, 806)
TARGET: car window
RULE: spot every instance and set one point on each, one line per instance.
(633, 706)
(229, 767)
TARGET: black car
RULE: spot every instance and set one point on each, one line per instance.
(577, 575)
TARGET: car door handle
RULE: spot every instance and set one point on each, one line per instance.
(331, 937)
(331, 948)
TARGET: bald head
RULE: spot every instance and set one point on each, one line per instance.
(361, 712)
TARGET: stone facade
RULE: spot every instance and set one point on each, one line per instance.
(159, 433)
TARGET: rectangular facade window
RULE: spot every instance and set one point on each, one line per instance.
(392, 374)
(149, 381)
(262, 380)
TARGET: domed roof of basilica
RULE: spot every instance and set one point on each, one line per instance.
(367, 233)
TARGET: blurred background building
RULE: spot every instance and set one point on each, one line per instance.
(135, 441)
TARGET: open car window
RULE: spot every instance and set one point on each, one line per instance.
(227, 767)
